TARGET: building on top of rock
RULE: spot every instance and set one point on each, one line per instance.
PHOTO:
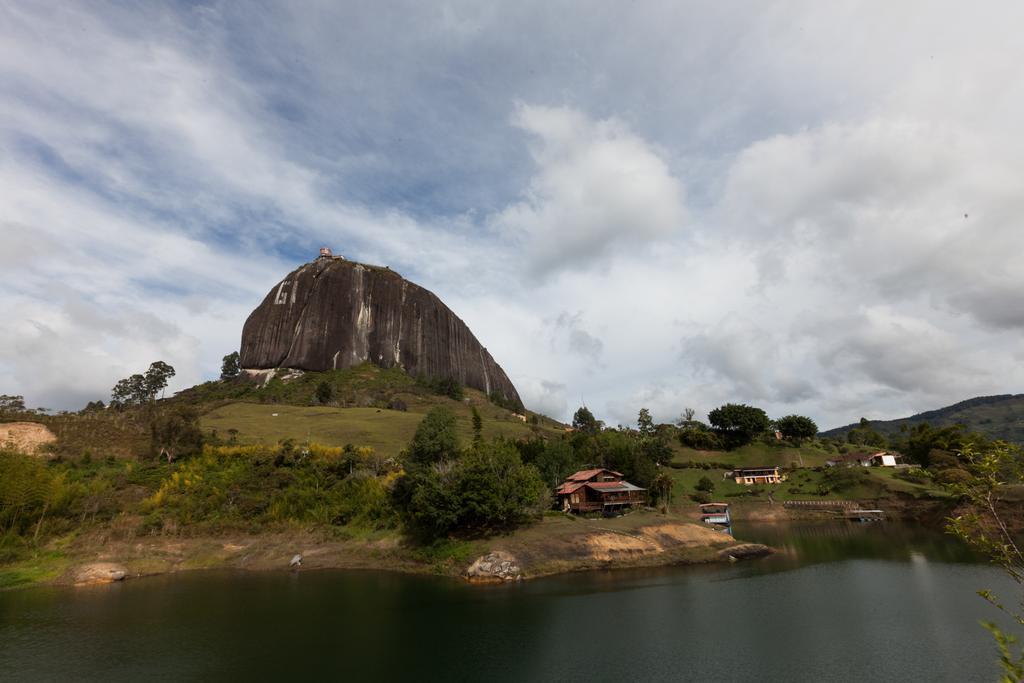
(325, 252)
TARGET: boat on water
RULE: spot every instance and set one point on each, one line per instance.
(715, 513)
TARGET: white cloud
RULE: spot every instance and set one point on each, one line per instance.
(686, 207)
(597, 186)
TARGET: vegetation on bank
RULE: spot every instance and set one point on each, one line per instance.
(372, 451)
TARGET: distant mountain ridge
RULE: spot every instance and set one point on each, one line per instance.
(999, 417)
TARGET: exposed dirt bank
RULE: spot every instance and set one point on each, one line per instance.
(25, 437)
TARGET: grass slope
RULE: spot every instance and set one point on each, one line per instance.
(998, 417)
(359, 412)
(386, 431)
(807, 478)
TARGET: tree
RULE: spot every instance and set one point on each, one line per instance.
(12, 404)
(705, 484)
(175, 433)
(93, 407)
(229, 367)
(156, 377)
(990, 467)
(644, 423)
(863, 434)
(478, 426)
(796, 427)
(488, 490)
(739, 423)
(584, 421)
(699, 437)
(436, 438)
(661, 489)
(130, 391)
(324, 392)
(555, 459)
(686, 417)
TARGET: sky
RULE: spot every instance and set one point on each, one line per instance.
(811, 207)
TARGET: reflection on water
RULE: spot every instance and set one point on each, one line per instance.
(802, 543)
(841, 602)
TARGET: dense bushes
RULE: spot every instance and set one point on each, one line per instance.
(445, 489)
(486, 489)
(252, 485)
(700, 438)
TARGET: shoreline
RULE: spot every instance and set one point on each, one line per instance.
(555, 545)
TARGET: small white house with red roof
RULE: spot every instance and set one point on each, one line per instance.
(599, 490)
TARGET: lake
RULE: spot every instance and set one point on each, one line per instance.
(841, 601)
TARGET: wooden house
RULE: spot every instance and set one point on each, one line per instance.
(757, 475)
(599, 490)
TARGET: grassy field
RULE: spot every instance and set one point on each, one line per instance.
(801, 484)
(759, 454)
(386, 431)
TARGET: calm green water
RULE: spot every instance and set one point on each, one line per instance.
(842, 602)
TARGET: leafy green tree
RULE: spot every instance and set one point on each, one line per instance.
(436, 438)
(584, 421)
(94, 407)
(705, 484)
(488, 490)
(156, 378)
(555, 459)
(229, 367)
(923, 440)
(130, 391)
(697, 436)
(644, 423)
(324, 392)
(478, 426)
(175, 433)
(797, 427)
(12, 404)
(864, 435)
(739, 423)
(991, 466)
(661, 490)
(620, 451)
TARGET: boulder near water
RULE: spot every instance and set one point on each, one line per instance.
(334, 313)
(99, 572)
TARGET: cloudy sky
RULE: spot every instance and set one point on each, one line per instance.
(812, 207)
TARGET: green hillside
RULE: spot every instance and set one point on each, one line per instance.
(998, 417)
(368, 406)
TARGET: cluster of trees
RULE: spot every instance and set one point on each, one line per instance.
(445, 386)
(480, 489)
(140, 389)
(736, 424)
(865, 435)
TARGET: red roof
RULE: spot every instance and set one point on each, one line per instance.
(585, 475)
(569, 487)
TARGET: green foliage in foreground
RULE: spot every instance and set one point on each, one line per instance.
(483, 490)
(250, 486)
(988, 468)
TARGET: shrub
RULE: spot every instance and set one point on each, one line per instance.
(954, 475)
(700, 438)
(435, 438)
(705, 484)
(489, 489)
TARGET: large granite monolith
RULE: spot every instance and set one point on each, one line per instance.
(333, 313)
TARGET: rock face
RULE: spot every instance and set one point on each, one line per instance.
(333, 313)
